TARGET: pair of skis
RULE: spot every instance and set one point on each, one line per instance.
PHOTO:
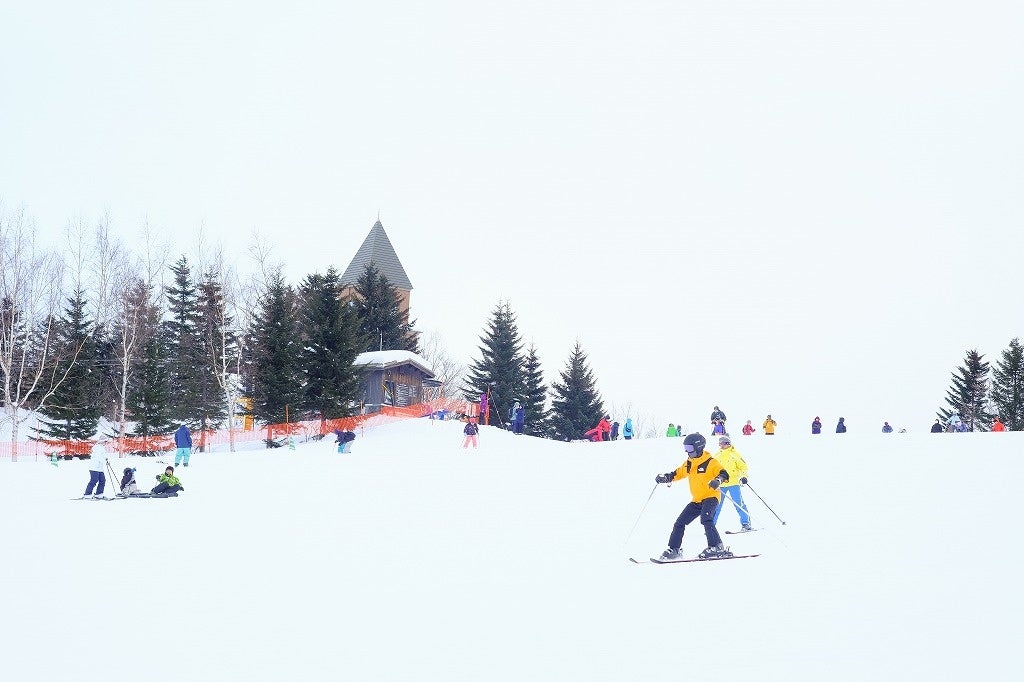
(652, 560)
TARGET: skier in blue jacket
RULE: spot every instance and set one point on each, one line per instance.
(627, 429)
(182, 441)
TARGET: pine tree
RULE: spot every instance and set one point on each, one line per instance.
(148, 400)
(1008, 386)
(381, 323)
(73, 411)
(968, 394)
(331, 342)
(576, 406)
(499, 370)
(535, 396)
(217, 340)
(185, 350)
(272, 376)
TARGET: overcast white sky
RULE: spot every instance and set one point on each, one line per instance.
(787, 207)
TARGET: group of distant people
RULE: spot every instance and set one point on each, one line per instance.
(956, 424)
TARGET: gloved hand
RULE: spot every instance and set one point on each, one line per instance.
(665, 478)
(743, 481)
(714, 483)
(157, 477)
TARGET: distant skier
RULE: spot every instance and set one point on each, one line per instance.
(816, 426)
(471, 430)
(841, 426)
(718, 429)
(937, 426)
(343, 439)
(679, 430)
(615, 430)
(484, 413)
(886, 428)
(733, 462)
(954, 421)
(97, 467)
(627, 429)
(717, 414)
(769, 426)
(748, 428)
(705, 475)
(961, 427)
(605, 427)
(182, 441)
(518, 418)
(998, 425)
(167, 484)
(671, 431)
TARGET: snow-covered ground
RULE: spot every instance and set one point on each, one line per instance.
(412, 559)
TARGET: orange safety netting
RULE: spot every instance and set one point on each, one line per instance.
(222, 438)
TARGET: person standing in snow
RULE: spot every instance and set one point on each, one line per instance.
(816, 425)
(733, 462)
(718, 429)
(484, 414)
(471, 430)
(343, 439)
(748, 428)
(97, 469)
(705, 475)
(937, 426)
(886, 428)
(182, 441)
(679, 430)
(167, 483)
(627, 429)
(671, 432)
(841, 426)
(954, 421)
(998, 425)
(717, 415)
(769, 426)
(518, 418)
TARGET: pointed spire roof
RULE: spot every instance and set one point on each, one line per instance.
(377, 249)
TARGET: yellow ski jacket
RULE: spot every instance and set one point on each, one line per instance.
(700, 471)
(732, 461)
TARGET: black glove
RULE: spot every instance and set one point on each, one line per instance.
(665, 478)
(157, 477)
(714, 483)
(743, 481)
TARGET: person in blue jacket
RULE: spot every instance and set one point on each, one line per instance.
(518, 418)
(886, 428)
(627, 429)
(841, 426)
(816, 425)
(182, 441)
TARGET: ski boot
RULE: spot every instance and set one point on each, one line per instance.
(719, 551)
(671, 555)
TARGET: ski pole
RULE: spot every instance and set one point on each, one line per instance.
(113, 477)
(765, 504)
(641, 514)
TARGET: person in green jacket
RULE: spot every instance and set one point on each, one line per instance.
(169, 484)
(671, 432)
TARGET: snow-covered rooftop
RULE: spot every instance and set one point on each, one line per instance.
(382, 359)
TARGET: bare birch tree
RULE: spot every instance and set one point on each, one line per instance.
(30, 300)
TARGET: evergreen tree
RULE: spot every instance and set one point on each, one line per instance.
(576, 406)
(535, 396)
(148, 399)
(968, 394)
(1008, 386)
(272, 376)
(181, 331)
(217, 341)
(499, 370)
(331, 342)
(73, 411)
(381, 322)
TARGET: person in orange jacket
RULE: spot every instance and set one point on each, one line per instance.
(998, 425)
(705, 474)
(769, 426)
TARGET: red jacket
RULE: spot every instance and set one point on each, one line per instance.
(998, 426)
(604, 426)
(747, 429)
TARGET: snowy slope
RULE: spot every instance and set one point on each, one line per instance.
(412, 559)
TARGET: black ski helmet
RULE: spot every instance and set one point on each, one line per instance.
(697, 441)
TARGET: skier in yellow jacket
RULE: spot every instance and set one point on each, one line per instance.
(705, 475)
(733, 462)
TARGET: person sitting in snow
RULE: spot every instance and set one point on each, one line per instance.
(128, 485)
(168, 484)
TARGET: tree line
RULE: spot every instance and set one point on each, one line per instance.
(97, 330)
(979, 393)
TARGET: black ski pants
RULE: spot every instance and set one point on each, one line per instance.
(164, 488)
(705, 509)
